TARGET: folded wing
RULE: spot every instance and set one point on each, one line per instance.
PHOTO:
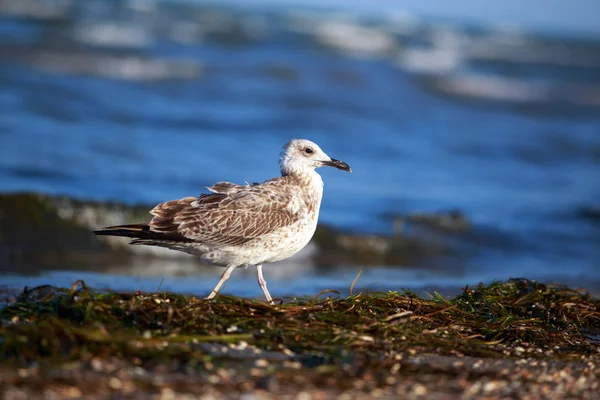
(232, 215)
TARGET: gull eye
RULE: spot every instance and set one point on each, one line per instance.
(308, 150)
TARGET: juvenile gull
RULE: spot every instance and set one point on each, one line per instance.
(237, 226)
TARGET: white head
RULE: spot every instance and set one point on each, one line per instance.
(301, 155)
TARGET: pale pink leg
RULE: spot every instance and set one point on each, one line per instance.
(263, 284)
(224, 277)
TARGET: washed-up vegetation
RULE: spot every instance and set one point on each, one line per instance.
(369, 337)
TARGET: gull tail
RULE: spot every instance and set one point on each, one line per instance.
(141, 234)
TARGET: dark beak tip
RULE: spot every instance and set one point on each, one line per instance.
(339, 165)
(345, 167)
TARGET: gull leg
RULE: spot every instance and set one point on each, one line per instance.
(263, 284)
(224, 277)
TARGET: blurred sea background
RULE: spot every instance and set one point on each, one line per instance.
(472, 127)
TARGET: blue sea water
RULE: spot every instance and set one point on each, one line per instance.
(74, 121)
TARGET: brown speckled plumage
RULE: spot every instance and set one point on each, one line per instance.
(240, 225)
(233, 214)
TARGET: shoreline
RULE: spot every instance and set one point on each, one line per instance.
(510, 339)
(39, 227)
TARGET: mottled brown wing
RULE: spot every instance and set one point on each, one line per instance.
(224, 187)
(228, 187)
(232, 217)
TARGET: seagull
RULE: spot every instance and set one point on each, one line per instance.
(241, 225)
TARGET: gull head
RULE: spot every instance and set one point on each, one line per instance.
(301, 155)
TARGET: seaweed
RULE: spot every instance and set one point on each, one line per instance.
(510, 339)
(503, 319)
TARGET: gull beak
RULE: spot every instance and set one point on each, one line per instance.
(337, 164)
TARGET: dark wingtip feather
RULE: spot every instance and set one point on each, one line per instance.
(123, 230)
(139, 231)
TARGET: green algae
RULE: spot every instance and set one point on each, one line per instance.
(504, 319)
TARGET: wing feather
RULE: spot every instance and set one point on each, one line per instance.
(232, 215)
